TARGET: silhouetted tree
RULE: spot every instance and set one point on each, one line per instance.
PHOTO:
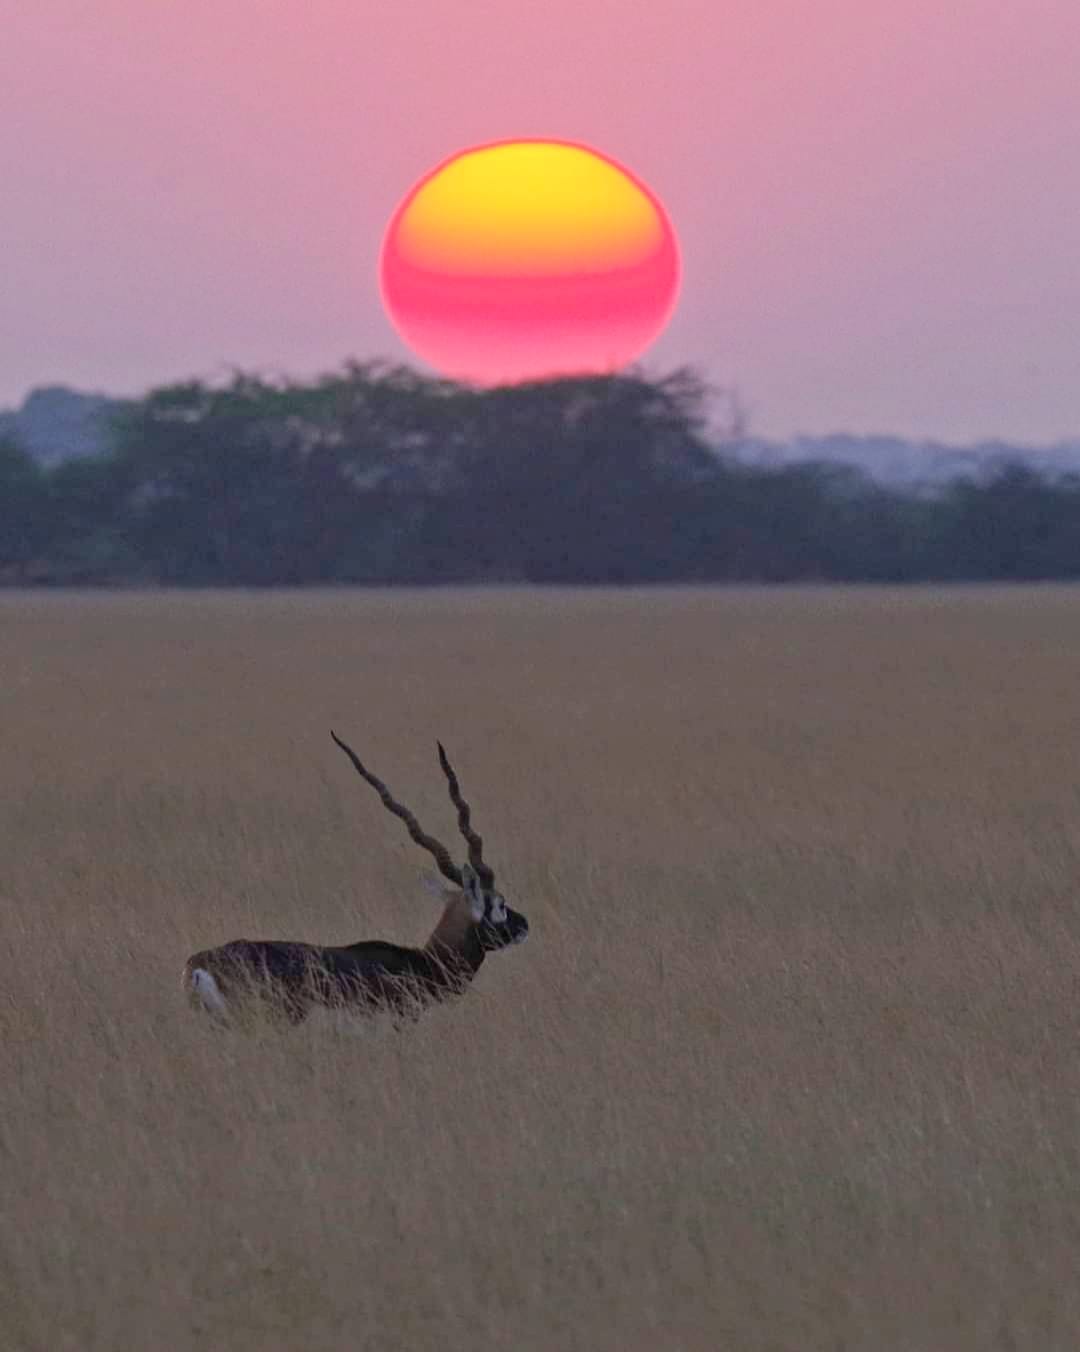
(23, 515)
(1014, 524)
(89, 535)
(377, 474)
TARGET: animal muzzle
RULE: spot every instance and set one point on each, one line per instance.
(513, 930)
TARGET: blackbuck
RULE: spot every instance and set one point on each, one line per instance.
(291, 979)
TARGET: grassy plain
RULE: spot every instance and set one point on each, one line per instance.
(790, 1061)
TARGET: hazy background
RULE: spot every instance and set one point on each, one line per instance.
(878, 204)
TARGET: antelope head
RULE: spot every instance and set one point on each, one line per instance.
(476, 919)
(496, 924)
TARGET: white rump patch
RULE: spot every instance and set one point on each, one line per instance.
(208, 991)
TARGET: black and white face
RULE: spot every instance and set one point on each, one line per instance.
(498, 925)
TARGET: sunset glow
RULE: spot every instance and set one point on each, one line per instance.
(526, 259)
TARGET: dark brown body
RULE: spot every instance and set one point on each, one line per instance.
(293, 978)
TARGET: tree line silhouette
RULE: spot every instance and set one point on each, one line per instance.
(379, 475)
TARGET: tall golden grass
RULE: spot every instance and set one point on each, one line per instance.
(791, 1059)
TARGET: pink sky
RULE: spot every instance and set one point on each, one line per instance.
(878, 204)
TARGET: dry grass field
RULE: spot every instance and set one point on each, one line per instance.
(791, 1059)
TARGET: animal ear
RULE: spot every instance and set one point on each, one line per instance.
(436, 886)
(474, 893)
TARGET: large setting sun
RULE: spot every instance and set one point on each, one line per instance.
(522, 260)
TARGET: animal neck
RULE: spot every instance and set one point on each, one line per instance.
(454, 941)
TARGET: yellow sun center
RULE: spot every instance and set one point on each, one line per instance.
(541, 208)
